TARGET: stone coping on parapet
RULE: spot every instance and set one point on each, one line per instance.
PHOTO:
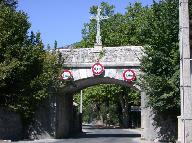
(95, 49)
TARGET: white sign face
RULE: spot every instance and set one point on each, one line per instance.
(129, 75)
(97, 69)
(66, 75)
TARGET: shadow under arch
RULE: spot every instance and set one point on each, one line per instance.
(75, 86)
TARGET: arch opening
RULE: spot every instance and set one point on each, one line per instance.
(66, 95)
(111, 105)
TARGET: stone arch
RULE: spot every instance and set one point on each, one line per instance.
(77, 85)
(64, 100)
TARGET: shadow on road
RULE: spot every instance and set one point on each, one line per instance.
(85, 135)
(90, 131)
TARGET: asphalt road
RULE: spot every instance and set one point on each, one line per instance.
(95, 135)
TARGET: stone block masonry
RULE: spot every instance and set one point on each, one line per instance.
(10, 125)
(109, 56)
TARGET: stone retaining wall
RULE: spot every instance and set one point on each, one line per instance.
(43, 123)
(43, 126)
(10, 125)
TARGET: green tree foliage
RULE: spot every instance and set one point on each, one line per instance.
(27, 71)
(108, 103)
(161, 63)
(10, 3)
(190, 9)
(130, 28)
(89, 30)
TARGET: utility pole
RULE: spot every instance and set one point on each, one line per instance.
(81, 102)
(185, 74)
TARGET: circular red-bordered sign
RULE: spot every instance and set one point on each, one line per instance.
(129, 75)
(97, 69)
(66, 74)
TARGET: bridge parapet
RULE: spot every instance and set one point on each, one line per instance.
(125, 56)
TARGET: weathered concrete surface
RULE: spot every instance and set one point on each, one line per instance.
(185, 74)
(64, 115)
(149, 131)
(10, 125)
(156, 127)
(110, 56)
(114, 59)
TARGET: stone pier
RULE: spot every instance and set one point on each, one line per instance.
(64, 115)
(147, 123)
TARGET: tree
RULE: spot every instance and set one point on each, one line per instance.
(27, 70)
(89, 30)
(12, 36)
(10, 3)
(190, 9)
(161, 66)
(161, 63)
(119, 30)
(108, 103)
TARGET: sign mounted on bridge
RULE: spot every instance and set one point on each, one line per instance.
(97, 69)
(129, 75)
(66, 75)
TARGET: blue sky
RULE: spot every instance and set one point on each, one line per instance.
(63, 20)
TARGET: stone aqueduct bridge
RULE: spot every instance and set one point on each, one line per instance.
(115, 61)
